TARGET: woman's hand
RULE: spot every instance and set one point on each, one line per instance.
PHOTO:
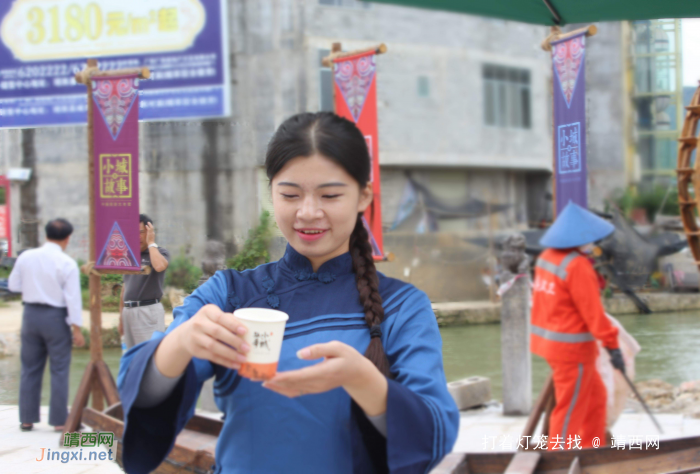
(214, 335)
(343, 367)
(210, 334)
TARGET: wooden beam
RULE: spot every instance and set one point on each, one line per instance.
(540, 407)
(80, 400)
(523, 463)
(96, 396)
(109, 388)
(575, 467)
(90, 72)
(328, 60)
(89, 269)
(557, 35)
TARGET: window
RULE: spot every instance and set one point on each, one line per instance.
(423, 86)
(325, 83)
(506, 96)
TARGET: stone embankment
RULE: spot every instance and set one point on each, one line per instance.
(662, 397)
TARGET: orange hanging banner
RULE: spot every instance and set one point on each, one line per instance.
(355, 91)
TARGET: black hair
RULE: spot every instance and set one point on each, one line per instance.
(144, 219)
(58, 229)
(340, 140)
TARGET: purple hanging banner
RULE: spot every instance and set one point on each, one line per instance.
(115, 115)
(570, 171)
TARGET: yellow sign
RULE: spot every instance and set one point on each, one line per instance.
(115, 176)
(61, 29)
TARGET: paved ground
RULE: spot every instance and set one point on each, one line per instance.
(19, 450)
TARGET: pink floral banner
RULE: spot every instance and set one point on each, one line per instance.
(116, 145)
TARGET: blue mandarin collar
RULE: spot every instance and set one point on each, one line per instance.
(301, 267)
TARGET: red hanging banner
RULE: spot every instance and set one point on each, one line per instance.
(116, 141)
(355, 97)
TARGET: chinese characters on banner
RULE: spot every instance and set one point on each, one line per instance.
(116, 144)
(355, 87)
(570, 171)
(43, 44)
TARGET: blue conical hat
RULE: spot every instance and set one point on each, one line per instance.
(574, 227)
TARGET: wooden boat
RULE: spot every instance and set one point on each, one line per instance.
(194, 447)
(676, 456)
(194, 453)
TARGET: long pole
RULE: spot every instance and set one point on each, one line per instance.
(95, 281)
(641, 400)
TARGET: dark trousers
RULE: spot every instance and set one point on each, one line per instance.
(44, 333)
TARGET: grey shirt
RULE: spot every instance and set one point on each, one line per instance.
(145, 287)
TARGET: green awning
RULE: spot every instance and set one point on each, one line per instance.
(545, 12)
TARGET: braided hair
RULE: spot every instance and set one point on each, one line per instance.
(340, 140)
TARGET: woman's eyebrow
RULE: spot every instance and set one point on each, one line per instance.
(324, 185)
(330, 185)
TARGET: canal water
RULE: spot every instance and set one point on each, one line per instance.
(670, 351)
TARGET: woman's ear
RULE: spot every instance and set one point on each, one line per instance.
(366, 196)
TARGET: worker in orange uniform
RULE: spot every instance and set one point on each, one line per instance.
(567, 318)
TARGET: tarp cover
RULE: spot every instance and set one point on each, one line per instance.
(569, 11)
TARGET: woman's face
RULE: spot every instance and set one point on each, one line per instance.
(316, 203)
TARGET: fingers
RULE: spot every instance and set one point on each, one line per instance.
(220, 333)
(328, 349)
(306, 377)
(227, 320)
(215, 336)
(287, 392)
(214, 351)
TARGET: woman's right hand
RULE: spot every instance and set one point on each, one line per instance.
(214, 335)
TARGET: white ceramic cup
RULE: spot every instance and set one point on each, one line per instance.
(264, 336)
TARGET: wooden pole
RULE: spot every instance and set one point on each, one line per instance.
(95, 281)
(492, 267)
(337, 53)
(557, 35)
(97, 379)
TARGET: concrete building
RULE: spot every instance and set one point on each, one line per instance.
(464, 108)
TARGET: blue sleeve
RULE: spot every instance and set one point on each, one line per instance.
(422, 417)
(158, 426)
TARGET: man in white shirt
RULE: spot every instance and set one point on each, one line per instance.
(49, 281)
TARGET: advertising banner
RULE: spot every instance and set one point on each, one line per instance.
(116, 143)
(43, 43)
(355, 91)
(570, 171)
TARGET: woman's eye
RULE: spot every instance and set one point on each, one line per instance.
(289, 196)
(331, 196)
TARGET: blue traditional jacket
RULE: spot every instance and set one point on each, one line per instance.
(265, 432)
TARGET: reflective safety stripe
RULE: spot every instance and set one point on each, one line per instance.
(573, 400)
(558, 270)
(562, 336)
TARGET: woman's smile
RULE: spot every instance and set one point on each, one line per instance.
(310, 234)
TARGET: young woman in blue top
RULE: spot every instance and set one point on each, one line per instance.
(329, 409)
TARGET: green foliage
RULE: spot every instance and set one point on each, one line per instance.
(182, 273)
(110, 304)
(255, 250)
(85, 280)
(110, 338)
(649, 199)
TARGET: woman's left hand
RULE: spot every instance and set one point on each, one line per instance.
(342, 366)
